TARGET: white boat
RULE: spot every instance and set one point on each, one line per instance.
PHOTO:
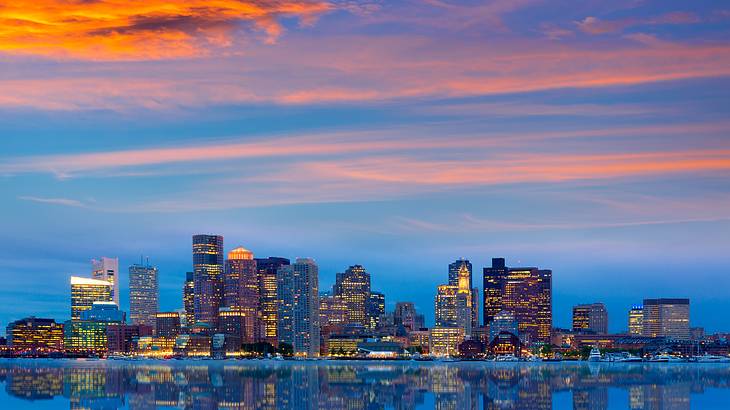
(666, 358)
(595, 355)
(506, 358)
(710, 358)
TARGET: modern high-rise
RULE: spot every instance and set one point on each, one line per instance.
(207, 278)
(636, 320)
(107, 269)
(503, 321)
(591, 318)
(85, 291)
(241, 291)
(298, 316)
(445, 306)
(353, 286)
(455, 269)
(666, 318)
(167, 324)
(189, 300)
(332, 311)
(375, 308)
(268, 302)
(143, 294)
(526, 292)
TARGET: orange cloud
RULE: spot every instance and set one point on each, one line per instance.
(129, 30)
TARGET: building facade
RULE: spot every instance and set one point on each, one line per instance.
(207, 278)
(636, 320)
(526, 292)
(241, 291)
(36, 335)
(405, 315)
(143, 294)
(375, 309)
(189, 300)
(591, 317)
(298, 315)
(268, 302)
(455, 269)
(85, 291)
(445, 341)
(107, 269)
(167, 324)
(353, 287)
(666, 318)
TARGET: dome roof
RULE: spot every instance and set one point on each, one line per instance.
(240, 253)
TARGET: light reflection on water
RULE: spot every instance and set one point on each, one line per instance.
(360, 385)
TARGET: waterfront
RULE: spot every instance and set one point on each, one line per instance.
(259, 384)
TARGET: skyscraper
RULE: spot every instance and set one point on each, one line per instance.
(268, 302)
(241, 291)
(298, 316)
(526, 292)
(143, 294)
(461, 265)
(85, 291)
(207, 278)
(493, 283)
(590, 318)
(405, 315)
(666, 318)
(445, 306)
(107, 269)
(376, 308)
(636, 320)
(353, 287)
(189, 299)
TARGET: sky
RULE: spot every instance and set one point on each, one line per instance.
(587, 137)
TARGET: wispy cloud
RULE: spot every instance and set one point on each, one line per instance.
(55, 201)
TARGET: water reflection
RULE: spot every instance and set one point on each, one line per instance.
(311, 385)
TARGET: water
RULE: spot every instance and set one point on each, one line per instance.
(256, 384)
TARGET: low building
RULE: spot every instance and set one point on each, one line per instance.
(122, 338)
(419, 340)
(444, 341)
(505, 343)
(471, 349)
(380, 349)
(167, 324)
(340, 345)
(191, 345)
(34, 335)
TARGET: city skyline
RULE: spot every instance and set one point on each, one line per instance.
(237, 253)
(588, 137)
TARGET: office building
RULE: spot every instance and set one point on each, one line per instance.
(207, 278)
(526, 292)
(143, 294)
(122, 338)
(298, 316)
(235, 323)
(636, 320)
(167, 324)
(35, 335)
(88, 335)
(375, 309)
(445, 306)
(189, 300)
(444, 341)
(353, 287)
(455, 269)
(332, 311)
(405, 315)
(85, 291)
(107, 269)
(241, 291)
(666, 318)
(590, 318)
(503, 321)
(268, 302)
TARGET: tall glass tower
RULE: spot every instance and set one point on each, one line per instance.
(143, 294)
(207, 278)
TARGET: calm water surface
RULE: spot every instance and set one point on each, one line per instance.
(60, 384)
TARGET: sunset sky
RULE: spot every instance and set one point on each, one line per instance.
(588, 137)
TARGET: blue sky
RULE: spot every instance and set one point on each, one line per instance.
(397, 135)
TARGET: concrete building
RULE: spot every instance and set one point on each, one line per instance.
(636, 320)
(143, 294)
(666, 318)
(298, 316)
(107, 269)
(591, 317)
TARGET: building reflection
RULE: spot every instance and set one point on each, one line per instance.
(243, 385)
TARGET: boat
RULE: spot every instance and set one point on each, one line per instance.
(710, 358)
(595, 355)
(666, 358)
(622, 357)
(506, 358)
